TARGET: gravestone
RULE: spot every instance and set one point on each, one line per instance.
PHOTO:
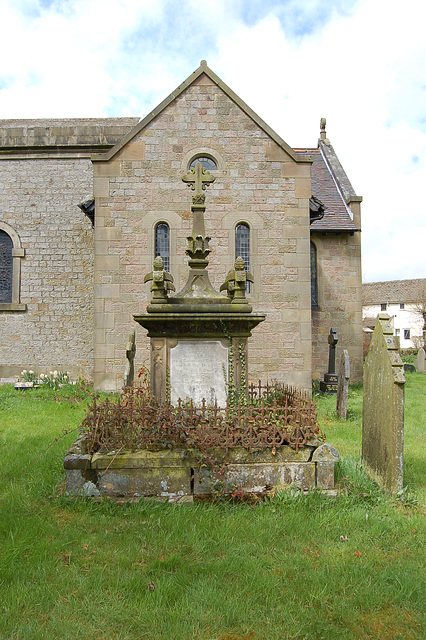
(329, 384)
(420, 361)
(129, 371)
(343, 385)
(383, 408)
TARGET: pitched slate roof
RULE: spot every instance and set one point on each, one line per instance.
(394, 292)
(328, 188)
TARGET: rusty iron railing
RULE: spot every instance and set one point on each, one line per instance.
(272, 417)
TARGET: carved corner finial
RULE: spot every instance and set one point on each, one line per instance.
(162, 281)
(323, 134)
(235, 282)
(203, 63)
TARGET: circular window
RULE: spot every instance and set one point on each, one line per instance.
(206, 162)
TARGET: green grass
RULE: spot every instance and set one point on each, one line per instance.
(75, 569)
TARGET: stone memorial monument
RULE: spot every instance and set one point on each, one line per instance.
(383, 408)
(199, 335)
(343, 385)
(211, 429)
(329, 384)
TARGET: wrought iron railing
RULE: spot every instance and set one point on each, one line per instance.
(273, 416)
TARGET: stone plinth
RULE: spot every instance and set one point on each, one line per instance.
(177, 474)
(167, 330)
(329, 384)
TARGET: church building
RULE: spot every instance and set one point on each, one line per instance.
(87, 204)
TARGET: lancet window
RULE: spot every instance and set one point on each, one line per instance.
(11, 254)
(242, 246)
(162, 243)
(6, 267)
(314, 277)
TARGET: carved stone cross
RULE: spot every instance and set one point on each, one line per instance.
(332, 341)
(198, 179)
(129, 372)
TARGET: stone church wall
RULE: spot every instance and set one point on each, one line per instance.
(81, 286)
(339, 301)
(256, 183)
(39, 200)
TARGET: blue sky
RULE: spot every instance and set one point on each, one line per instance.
(360, 63)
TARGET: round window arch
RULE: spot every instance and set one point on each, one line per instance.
(207, 163)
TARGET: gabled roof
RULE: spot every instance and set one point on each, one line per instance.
(202, 69)
(325, 187)
(394, 292)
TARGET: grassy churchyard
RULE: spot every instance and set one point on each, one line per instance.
(295, 566)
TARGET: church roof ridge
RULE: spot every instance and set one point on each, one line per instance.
(202, 69)
(394, 291)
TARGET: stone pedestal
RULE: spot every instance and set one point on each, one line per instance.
(190, 353)
(329, 384)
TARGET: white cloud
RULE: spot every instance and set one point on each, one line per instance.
(358, 62)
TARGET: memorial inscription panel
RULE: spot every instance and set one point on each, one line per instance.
(198, 369)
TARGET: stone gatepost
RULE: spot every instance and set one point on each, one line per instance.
(383, 409)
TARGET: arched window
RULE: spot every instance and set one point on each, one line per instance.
(314, 277)
(10, 269)
(6, 267)
(242, 246)
(206, 162)
(162, 243)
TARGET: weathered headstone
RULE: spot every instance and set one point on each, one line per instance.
(410, 368)
(383, 410)
(129, 372)
(420, 361)
(329, 384)
(343, 385)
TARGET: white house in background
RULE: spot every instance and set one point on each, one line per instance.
(404, 301)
